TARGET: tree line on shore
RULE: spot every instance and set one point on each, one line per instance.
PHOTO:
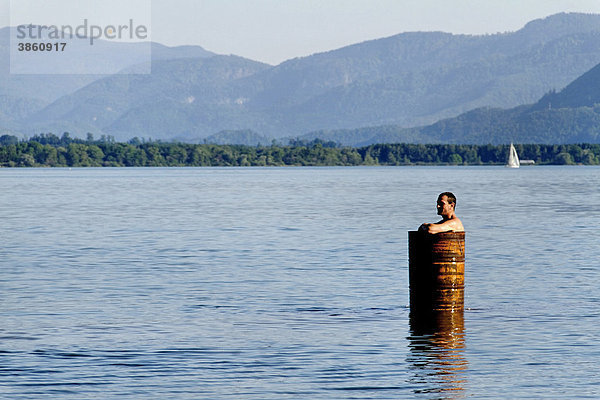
(49, 150)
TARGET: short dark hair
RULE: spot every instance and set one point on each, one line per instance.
(451, 197)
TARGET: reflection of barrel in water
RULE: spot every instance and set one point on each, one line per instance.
(436, 270)
(437, 344)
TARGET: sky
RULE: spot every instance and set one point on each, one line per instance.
(273, 31)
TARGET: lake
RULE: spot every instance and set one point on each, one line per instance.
(292, 283)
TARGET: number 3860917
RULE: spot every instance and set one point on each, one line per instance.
(42, 46)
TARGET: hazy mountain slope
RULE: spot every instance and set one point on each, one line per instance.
(242, 137)
(295, 81)
(417, 95)
(569, 116)
(171, 101)
(584, 91)
(22, 95)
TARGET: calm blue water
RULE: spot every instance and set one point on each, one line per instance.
(292, 283)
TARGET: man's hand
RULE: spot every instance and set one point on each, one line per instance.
(424, 227)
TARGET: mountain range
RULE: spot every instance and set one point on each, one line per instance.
(571, 115)
(414, 87)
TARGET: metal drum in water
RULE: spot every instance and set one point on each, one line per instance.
(436, 270)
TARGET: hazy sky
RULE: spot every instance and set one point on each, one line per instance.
(275, 30)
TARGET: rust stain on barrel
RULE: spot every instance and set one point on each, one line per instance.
(436, 270)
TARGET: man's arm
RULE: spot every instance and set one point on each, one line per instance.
(442, 226)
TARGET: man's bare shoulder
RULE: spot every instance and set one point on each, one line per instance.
(453, 224)
(449, 225)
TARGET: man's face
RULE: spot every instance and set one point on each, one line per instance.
(443, 207)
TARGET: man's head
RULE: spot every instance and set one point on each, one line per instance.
(446, 203)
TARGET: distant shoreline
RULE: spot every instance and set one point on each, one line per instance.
(51, 151)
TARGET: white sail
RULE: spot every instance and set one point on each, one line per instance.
(513, 158)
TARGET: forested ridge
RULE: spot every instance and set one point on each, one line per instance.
(49, 150)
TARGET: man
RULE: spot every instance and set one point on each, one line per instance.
(446, 204)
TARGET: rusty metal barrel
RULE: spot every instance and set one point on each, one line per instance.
(436, 270)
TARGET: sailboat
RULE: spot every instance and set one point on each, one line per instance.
(513, 158)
